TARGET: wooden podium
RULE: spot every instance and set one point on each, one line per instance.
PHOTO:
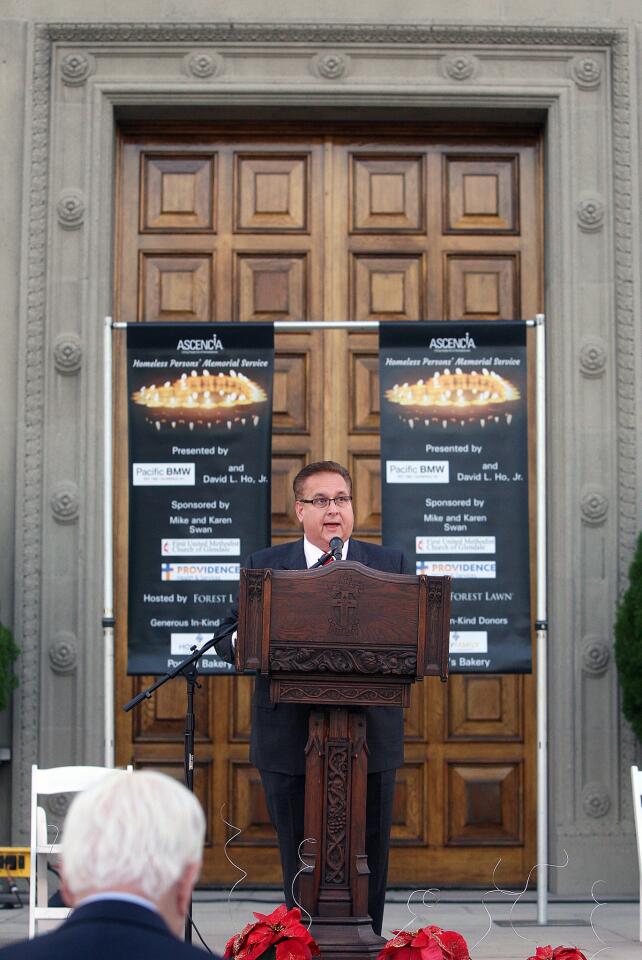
(341, 638)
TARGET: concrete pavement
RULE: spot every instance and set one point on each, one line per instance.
(616, 922)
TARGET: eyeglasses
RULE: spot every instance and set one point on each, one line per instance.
(323, 502)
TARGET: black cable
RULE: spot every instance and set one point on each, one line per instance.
(199, 934)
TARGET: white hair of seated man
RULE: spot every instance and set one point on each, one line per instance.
(141, 834)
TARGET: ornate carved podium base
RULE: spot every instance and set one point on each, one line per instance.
(334, 889)
(351, 938)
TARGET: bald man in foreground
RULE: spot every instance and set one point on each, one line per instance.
(131, 853)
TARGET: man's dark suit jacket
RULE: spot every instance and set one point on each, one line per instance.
(280, 731)
(106, 930)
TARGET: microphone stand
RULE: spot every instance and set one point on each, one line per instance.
(188, 667)
(334, 553)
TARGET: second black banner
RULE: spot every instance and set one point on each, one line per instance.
(454, 451)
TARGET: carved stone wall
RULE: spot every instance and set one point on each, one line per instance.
(581, 80)
(13, 48)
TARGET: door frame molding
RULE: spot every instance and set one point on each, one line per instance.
(580, 81)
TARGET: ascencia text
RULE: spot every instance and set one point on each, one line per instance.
(453, 343)
(193, 346)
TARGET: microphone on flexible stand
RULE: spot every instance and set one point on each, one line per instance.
(336, 546)
(334, 553)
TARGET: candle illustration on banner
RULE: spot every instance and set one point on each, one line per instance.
(451, 397)
(202, 399)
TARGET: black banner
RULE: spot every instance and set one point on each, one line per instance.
(454, 469)
(200, 433)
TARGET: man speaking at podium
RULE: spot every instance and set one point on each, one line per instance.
(323, 504)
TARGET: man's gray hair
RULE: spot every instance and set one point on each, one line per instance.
(135, 831)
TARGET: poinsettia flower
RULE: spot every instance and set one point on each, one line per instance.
(455, 944)
(293, 950)
(282, 929)
(429, 943)
(400, 939)
(426, 944)
(271, 919)
(558, 953)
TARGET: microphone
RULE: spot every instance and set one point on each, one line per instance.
(334, 553)
(336, 546)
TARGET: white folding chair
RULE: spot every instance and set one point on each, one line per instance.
(48, 782)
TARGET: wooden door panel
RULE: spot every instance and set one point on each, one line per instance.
(481, 194)
(271, 287)
(485, 707)
(415, 727)
(177, 193)
(484, 803)
(247, 807)
(284, 469)
(272, 193)
(388, 194)
(482, 287)
(364, 396)
(291, 392)
(365, 470)
(240, 714)
(162, 717)
(409, 824)
(176, 288)
(219, 225)
(388, 286)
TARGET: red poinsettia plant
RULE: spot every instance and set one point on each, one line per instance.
(429, 943)
(279, 935)
(557, 953)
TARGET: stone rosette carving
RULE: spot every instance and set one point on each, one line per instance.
(590, 213)
(595, 656)
(460, 66)
(70, 209)
(204, 65)
(63, 652)
(331, 65)
(593, 357)
(67, 353)
(76, 68)
(594, 505)
(65, 502)
(596, 800)
(587, 72)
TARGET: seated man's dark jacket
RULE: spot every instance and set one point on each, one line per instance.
(106, 930)
(280, 731)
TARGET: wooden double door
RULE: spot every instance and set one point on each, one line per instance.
(284, 224)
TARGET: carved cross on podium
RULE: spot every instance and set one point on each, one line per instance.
(345, 606)
(341, 638)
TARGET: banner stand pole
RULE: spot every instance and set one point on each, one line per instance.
(541, 626)
(108, 555)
